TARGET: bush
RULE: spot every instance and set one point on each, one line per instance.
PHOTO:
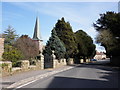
(12, 55)
(16, 64)
(3, 65)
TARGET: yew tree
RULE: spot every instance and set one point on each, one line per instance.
(65, 33)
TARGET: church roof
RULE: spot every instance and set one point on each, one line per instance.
(36, 35)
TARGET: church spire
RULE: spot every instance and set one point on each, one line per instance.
(36, 35)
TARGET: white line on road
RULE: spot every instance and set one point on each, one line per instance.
(24, 84)
(39, 77)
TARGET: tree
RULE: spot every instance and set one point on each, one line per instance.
(27, 46)
(86, 48)
(82, 50)
(11, 53)
(109, 21)
(10, 36)
(55, 44)
(108, 26)
(66, 35)
(105, 37)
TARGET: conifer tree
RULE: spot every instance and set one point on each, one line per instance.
(54, 43)
(11, 53)
(10, 36)
(66, 35)
(85, 44)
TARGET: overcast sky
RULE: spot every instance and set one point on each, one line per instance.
(81, 15)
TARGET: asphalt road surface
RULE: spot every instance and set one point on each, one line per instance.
(82, 76)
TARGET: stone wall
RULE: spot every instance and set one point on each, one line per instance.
(7, 69)
(59, 63)
(25, 65)
(70, 61)
(1, 47)
(81, 60)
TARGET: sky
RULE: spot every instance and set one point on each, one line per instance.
(81, 15)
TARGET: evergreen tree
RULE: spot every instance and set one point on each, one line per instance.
(11, 53)
(66, 35)
(108, 27)
(85, 45)
(10, 36)
(55, 44)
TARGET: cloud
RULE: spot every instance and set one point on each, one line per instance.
(55, 10)
(100, 48)
(81, 15)
(92, 32)
(11, 15)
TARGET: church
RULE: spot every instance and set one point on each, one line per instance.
(37, 36)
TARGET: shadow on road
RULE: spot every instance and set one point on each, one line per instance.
(6, 83)
(66, 82)
(105, 82)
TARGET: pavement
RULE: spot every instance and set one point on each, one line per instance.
(21, 78)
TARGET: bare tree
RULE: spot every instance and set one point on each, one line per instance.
(27, 46)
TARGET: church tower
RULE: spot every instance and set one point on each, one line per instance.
(36, 35)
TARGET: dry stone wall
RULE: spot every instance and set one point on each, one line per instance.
(25, 65)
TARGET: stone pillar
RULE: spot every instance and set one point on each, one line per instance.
(81, 61)
(1, 47)
(42, 61)
(53, 59)
(54, 64)
(87, 60)
(25, 64)
(38, 63)
(63, 61)
(6, 67)
(70, 61)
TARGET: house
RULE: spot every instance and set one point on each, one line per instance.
(1, 47)
(100, 55)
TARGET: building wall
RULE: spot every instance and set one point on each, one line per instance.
(1, 47)
(99, 57)
(39, 45)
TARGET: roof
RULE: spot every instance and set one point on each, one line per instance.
(100, 53)
(36, 35)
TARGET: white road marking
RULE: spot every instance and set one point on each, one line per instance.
(43, 76)
(24, 84)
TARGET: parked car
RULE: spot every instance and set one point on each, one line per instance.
(93, 60)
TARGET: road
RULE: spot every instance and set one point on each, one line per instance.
(82, 76)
